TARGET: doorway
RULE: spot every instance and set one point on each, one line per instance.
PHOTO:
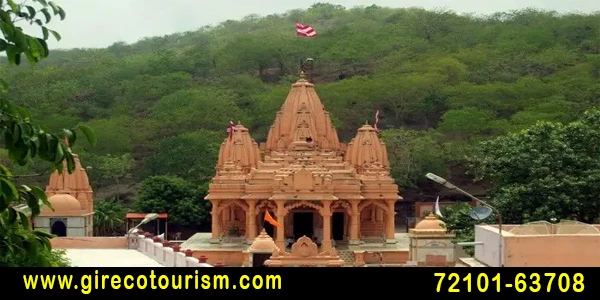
(269, 228)
(58, 228)
(303, 225)
(258, 259)
(337, 226)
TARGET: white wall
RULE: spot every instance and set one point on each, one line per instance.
(488, 252)
(165, 255)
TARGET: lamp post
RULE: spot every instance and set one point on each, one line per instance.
(147, 218)
(451, 186)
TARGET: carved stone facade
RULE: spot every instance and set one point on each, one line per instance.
(312, 184)
(71, 197)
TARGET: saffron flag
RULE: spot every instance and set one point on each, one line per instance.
(270, 219)
(304, 30)
(231, 129)
(437, 207)
(377, 121)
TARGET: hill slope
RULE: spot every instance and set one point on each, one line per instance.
(442, 81)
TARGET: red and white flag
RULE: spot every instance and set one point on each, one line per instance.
(304, 30)
(377, 121)
(231, 129)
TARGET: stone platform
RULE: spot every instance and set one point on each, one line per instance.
(231, 254)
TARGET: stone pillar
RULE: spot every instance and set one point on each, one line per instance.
(251, 221)
(280, 239)
(354, 228)
(390, 223)
(216, 226)
(326, 214)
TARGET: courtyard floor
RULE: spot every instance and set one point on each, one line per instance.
(109, 258)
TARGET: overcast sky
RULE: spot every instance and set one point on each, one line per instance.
(99, 23)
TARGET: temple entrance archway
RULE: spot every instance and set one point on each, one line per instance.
(337, 225)
(59, 228)
(303, 224)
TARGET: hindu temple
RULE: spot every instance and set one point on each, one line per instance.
(71, 197)
(303, 177)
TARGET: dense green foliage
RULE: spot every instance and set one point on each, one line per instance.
(549, 170)
(443, 82)
(180, 199)
(24, 140)
(457, 220)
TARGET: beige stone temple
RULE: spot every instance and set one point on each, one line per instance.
(72, 203)
(312, 184)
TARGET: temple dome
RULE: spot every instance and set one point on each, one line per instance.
(431, 223)
(366, 149)
(263, 243)
(302, 118)
(63, 203)
(240, 149)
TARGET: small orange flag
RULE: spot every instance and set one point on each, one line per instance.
(270, 219)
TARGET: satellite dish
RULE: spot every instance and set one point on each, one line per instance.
(480, 213)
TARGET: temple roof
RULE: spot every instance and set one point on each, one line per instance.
(240, 150)
(76, 185)
(65, 183)
(366, 150)
(302, 118)
(303, 159)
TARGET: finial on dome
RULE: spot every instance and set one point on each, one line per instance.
(302, 75)
(239, 122)
(367, 122)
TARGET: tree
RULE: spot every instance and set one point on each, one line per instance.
(180, 199)
(457, 220)
(115, 167)
(109, 217)
(25, 140)
(197, 154)
(549, 170)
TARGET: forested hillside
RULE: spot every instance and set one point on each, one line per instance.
(442, 81)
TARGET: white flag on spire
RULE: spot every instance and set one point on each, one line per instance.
(437, 207)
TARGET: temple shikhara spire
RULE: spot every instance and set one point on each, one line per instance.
(71, 197)
(305, 178)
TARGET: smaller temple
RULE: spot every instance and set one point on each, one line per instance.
(431, 244)
(72, 203)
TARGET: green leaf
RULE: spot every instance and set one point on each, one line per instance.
(12, 215)
(62, 13)
(8, 189)
(33, 203)
(31, 11)
(70, 161)
(18, 59)
(45, 32)
(4, 171)
(13, 6)
(11, 54)
(20, 40)
(4, 16)
(3, 45)
(46, 15)
(54, 7)
(39, 22)
(3, 86)
(60, 152)
(42, 2)
(44, 46)
(23, 113)
(70, 135)
(24, 220)
(56, 35)
(89, 134)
